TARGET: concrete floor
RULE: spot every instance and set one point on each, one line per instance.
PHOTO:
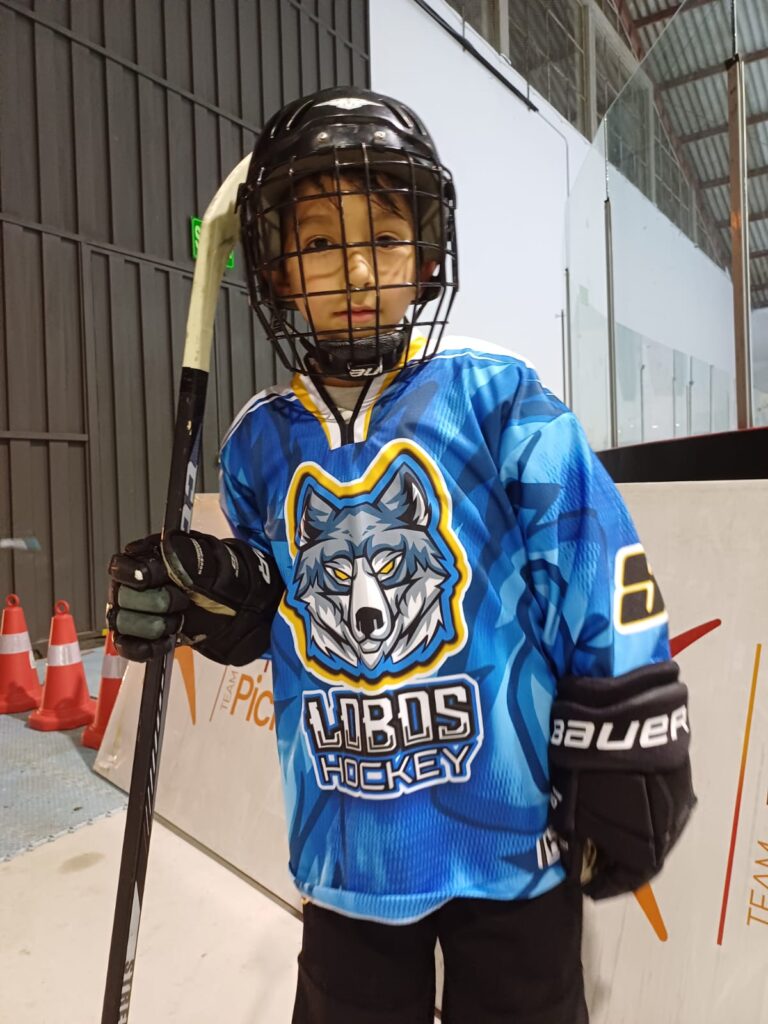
(212, 948)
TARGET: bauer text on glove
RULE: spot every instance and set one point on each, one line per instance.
(620, 775)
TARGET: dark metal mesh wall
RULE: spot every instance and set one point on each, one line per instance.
(118, 120)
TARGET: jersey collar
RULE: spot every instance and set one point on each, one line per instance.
(356, 430)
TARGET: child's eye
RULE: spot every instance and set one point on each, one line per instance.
(318, 244)
(387, 240)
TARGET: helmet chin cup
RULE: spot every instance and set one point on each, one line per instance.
(356, 359)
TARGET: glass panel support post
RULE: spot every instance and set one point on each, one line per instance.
(737, 131)
(611, 316)
(566, 341)
(642, 396)
(590, 70)
(503, 27)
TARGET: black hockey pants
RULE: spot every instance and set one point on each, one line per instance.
(515, 962)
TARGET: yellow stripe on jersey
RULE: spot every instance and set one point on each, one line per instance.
(303, 395)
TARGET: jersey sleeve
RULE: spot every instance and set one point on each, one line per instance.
(238, 500)
(601, 610)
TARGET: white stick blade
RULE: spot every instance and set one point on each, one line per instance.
(219, 234)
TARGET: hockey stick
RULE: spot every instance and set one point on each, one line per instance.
(219, 233)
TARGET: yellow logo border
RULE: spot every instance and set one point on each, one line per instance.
(361, 485)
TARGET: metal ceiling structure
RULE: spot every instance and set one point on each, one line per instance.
(691, 93)
(674, 96)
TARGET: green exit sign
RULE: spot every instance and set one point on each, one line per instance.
(195, 224)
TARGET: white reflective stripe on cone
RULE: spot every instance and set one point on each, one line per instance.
(63, 654)
(15, 643)
(113, 666)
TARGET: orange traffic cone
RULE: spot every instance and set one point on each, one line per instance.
(66, 703)
(112, 669)
(19, 686)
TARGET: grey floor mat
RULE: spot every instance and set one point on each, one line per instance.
(47, 785)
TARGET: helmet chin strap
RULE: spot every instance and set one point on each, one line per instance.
(357, 359)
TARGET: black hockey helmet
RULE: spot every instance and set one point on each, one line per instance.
(347, 141)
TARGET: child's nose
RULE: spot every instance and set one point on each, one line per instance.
(360, 267)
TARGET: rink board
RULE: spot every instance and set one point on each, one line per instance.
(219, 780)
(702, 958)
(707, 544)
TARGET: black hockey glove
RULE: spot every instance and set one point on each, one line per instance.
(620, 776)
(218, 596)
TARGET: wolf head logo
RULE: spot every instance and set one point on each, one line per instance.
(373, 575)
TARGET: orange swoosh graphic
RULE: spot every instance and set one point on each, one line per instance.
(647, 901)
(682, 640)
(185, 659)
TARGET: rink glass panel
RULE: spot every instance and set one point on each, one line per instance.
(646, 247)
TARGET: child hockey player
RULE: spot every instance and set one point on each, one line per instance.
(477, 717)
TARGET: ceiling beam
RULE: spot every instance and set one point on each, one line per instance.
(630, 27)
(720, 129)
(711, 69)
(754, 172)
(668, 12)
(757, 215)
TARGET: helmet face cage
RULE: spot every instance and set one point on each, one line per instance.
(408, 185)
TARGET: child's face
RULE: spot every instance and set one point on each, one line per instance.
(334, 315)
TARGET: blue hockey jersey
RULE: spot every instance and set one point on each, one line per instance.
(448, 556)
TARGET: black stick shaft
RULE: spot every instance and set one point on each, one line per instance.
(141, 800)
